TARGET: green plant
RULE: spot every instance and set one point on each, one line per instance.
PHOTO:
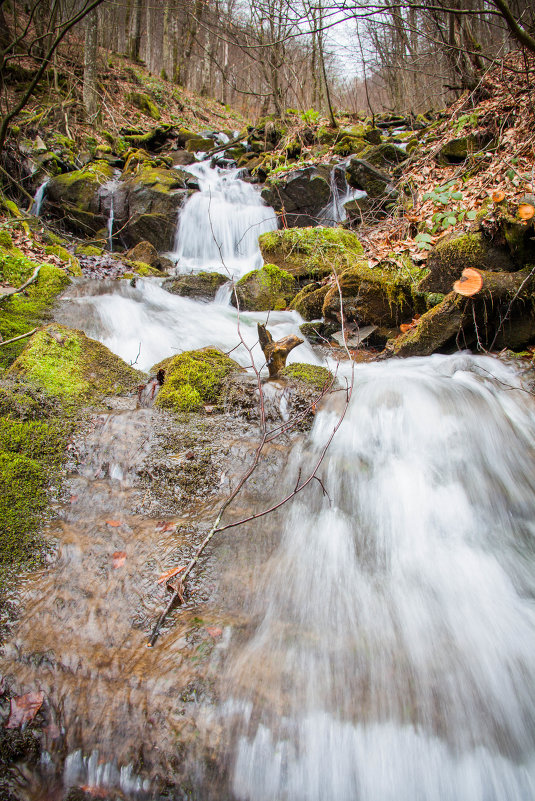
(310, 116)
(466, 120)
(446, 216)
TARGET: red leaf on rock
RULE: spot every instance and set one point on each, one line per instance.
(24, 709)
(214, 632)
(114, 523)
(118, 559)
(164, 525)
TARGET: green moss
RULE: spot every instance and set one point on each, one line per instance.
(88, 250)
(194, 378)
(20, 313)
(351, 145)
(265, 289)
(22, 502)
(311, 252)
(73, 367)
(143, 102)
(5, 239)
(63, 254)
(451, 256)
(311, 374)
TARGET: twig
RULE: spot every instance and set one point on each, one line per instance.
(15, 339)
(30, 280)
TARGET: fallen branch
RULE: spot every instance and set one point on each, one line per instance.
(30, 280)
(276, 353)
(15, 339)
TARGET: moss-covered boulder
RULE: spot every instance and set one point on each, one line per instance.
(311, 252)
(377, 184)
(381, 297)
(351, 145)
(452, 255)
(309, 301)
(144, 251)
(199, 144)
(458, 150)
(144, 103)
(71, 366)
(300, 195)
(22, 312)
(72, 264)
(516, 234)
(386, 156)
(312, 375)
(202, 286)
(147, 203)
(195, 378)
(435, 329)
(76, 198)
(265, 289)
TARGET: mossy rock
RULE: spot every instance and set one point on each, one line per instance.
(312, 375)
(351, 145)
(144, 103)
(302, 194)
(458, 150)
(265, 289)
(311, 252)
(88, 251)
(5, 239)
(373, 136)
(451, 256)
(145, 252)
(203, 285)
(381, 297)
(74, 197)
(309, 301)
(195, 378)
(199, 144)
(22, 312)
(22, 501)
(71, 366)
(63, 254)
(386, 156)
(361, 174)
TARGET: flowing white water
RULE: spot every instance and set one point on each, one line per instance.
(219, 226)
(148, 323)
(395, 656)
(341, 193)
(38, 199)
(108, 191)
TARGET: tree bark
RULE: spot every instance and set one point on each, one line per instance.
(276, 353)
(90, 92)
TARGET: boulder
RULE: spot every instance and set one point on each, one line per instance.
(309, 301)
(144, 103)
(202, 286)
(452, 255)
(265, 289)
(311, 253)
(456, 151)
(386, 156)
(381, 297)
(144, 252)
(78, 198)
(362, 175)
(300, 195)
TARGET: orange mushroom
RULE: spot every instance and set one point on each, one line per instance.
(469, 283)
(526, 211)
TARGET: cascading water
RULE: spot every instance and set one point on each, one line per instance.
(394, 656)
(219, 226)
(38, 199)
(108, 193)
(341, 193)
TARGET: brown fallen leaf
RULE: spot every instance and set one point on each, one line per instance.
(24, 708)
(190, 455)
(469, 283)
(214, 631)
(114, 523)
(170, 574)
(118, 559)
(165, 525)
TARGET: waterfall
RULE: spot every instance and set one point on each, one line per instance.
(38, 199)
(110, 224)
(394, 656)
(341, 193)
(108, 193)
(219, 226)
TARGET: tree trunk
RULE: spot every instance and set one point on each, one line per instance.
(135, 33)
(90, 92)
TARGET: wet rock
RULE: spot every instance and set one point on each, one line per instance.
(381, 297)
(265, 289)
(73, 367)
(300, 195)
(195, 378)
(386, 156)
(364, 176)
(202, 286)
(452, 255)
(311, 253)
(148, 140)
(76, 198)
(309, 301)
(435, 328)
(144, 252)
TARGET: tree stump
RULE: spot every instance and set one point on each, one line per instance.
(276, 353)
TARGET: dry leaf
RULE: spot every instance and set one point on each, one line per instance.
(114, 523)
(118, 559)
(470, 282)
(165, 525)
(24, 709)
(214, 631)
(526, 211)
(170, 574)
